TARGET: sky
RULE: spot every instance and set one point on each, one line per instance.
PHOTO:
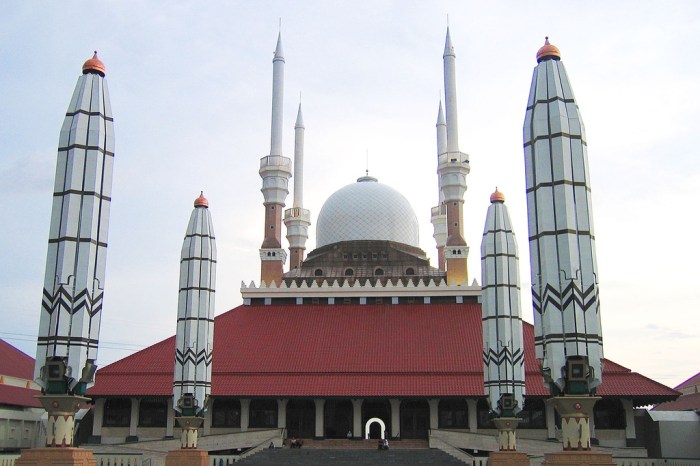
(190, 86)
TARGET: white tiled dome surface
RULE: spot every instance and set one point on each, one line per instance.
(366, 210)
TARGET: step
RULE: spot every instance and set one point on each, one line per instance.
(355, 457)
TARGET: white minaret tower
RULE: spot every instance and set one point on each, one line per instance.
(195, 323)
(504, 357)
(453, 168)
(275, 171)
(74, 281)
(438, 213)
(568, 337)
(297, 219)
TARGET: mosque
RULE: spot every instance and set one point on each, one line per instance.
(362, 337)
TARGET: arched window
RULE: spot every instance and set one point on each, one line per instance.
(226, 413)
(379, 271)
(609, 414)
(117, 412)
(452, 414)
(349, 272)
(153, 412)
(263, 413)
(318, 273)
(410, 271)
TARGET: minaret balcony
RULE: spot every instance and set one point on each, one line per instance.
(275, 165)
(273, 254)
(297, 214)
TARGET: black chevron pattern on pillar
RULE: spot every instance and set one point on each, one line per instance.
(189, 355)
(504, 355)
(62, 300)
(572, 293)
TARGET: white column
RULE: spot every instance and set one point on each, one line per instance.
(551, 420)
(282, 413)
(320, 404)
(357, 418)
(99, 412)
(170, 422)
(472, 414)
(134, 421)
(433, 404)
(395, 417)
(245, 414)
(630, 430)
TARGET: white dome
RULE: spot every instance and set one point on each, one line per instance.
(366, 210)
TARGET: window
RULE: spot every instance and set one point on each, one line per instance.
(452, 414)
(533, 414)
(410, 271)
(483, 420)
(263, 413)
(153, 412)
(318, 273)
(609, 414)
(226, 413)
(349, 272)
(379, 271)
(117, 412)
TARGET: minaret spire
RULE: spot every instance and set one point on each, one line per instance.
(74, 281)
(194, 340)
(438, 213)
(275, 171)
(568, 338)
(297, 219)
(453, 168)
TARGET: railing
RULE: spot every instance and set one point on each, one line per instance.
(223, 460)
(119, 459)
(8, 460)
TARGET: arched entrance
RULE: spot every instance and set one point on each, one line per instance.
(375, 428)
(415, 419)
(379, 409)
(301, 418)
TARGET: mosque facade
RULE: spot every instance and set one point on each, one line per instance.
(360, 337)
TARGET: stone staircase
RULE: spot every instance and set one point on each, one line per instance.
(359, 456)
(344, 444)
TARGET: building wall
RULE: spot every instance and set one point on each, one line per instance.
(20, 428)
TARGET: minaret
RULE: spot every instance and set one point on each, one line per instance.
(275, 171)
(74, 281)
(194, 340)
(503, 355)
(453, 168)
(297, 219)
(438, 215)
(562, 244)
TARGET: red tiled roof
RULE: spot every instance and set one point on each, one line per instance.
(347, 350)
(19, 396)
(691, 382)
(15, 363)
(689, 402)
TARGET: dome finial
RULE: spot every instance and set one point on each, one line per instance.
(497, 196)
(548, 51)
(201, 201)
(94, 65)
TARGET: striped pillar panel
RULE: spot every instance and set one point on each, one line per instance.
(195, 314)
(501, 317)
(562, 241)
(74, 281)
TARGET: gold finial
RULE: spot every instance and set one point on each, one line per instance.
(548, 51)
(94, 64)
(201, 201)
(497, 196)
